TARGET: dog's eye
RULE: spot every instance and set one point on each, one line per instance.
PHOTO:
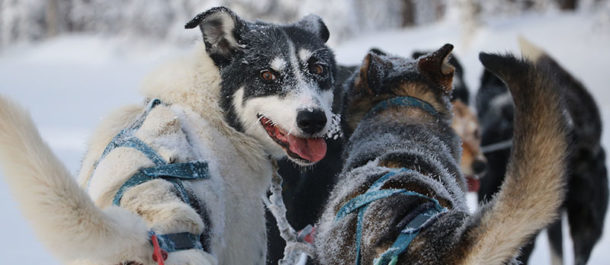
(268, 75)
(317, 69)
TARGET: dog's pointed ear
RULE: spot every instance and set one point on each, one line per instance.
(378, 51)
(371, 74)
(221, 30)
(416, 54)
(436, 66)
(315, 25)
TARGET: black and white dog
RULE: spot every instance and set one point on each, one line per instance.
(587, 186)
(306, 189)
(184, 175)
(280, 77)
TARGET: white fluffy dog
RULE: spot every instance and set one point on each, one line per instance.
(137, 197)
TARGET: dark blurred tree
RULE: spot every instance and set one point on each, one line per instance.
(416, 12)
(408, 13)
(567, 4)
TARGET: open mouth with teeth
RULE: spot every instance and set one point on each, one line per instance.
(301, 149)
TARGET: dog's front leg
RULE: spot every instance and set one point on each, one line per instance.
(165, 213)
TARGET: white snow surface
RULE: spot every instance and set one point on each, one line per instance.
(69, 83)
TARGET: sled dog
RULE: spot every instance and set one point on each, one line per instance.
(466, 125)
(401, 196)
(307, 190)
(181, 179)
(472, 163)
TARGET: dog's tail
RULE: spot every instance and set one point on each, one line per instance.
(62, 214)
(533, 189)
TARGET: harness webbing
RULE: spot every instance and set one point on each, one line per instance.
(127, 138)
(174, 173)
(178, 241)
(390, 256)
(361, 204)
(506, 144)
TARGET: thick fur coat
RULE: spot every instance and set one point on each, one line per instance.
(254, 92)
(410, 138)
(190, 127)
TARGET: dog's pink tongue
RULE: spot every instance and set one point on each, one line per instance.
(312, 149)
(473, 184)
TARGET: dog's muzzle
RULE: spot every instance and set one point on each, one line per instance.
(303, 149)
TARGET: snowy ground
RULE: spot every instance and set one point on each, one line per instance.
(68, 84)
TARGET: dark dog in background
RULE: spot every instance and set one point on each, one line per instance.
(473, 162)
(587, 196)
(401, 197)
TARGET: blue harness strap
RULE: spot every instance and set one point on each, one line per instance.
(361, 204)
(136, 143)
(126, 138)
(404, 101)
(177, 241)
(400, 245)
(174, 173)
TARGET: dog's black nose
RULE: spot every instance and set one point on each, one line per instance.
(311, 121)
(479, 167)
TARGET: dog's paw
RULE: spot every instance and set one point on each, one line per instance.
(191, 257)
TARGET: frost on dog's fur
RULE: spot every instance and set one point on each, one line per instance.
(300, 71)
(195, 122)
(401, 137)
(74, 228)
(195, 82)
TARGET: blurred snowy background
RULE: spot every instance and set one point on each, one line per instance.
(70, 62)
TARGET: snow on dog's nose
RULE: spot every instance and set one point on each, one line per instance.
(311, 121)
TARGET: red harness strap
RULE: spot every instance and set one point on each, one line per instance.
(307, 234)
(159, 255)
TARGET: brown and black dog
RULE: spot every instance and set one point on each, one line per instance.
(466, 125)
(401, 196)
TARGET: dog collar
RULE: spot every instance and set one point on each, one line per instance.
(405, 101)
(361, 202)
